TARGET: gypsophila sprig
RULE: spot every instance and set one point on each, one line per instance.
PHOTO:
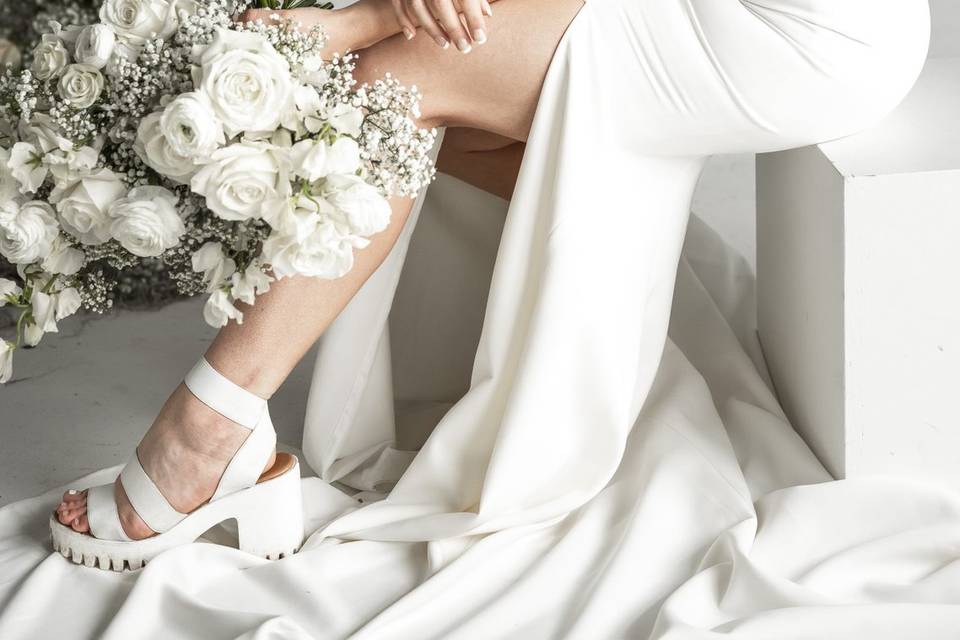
(226, 156)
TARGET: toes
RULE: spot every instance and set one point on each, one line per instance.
(74, 496)
(80, 524)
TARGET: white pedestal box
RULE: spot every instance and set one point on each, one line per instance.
(858, 275)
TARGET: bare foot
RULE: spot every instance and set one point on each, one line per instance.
(185, 452)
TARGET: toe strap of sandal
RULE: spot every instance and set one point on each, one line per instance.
(102, 514)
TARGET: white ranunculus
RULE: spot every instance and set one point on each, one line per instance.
(346, 119)
(64, 258)
(243, 179)
(247, 285)
(219, 310)
(247, 82)
(49, 58)
(83, 205)
(10, 57)
(362, 206)
(213, 263)
(155, 150)
(27, 167)
(27, 231)
(325, 253)
(315, 159)
(137, 21)
(8, 289)
(81, 85)
(43, 308)
(67, 301)
(146, 222)
(9, 186)
(95, 45)
(6, 360)
(190, 127)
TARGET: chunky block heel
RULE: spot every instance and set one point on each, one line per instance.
(275, 529)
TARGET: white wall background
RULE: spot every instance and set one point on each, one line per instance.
(726, 197)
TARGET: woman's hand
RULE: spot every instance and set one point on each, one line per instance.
(441, 19)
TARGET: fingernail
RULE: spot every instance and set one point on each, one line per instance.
(487, 9)
(76, 522)
(479, 36)
(442, 42)
(409, 33)
(72, 492)
(463, 45)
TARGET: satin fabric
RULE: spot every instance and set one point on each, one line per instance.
(542, 460)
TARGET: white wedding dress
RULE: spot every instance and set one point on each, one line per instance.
(545, 461)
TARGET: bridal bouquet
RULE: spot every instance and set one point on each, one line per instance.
(233, 153)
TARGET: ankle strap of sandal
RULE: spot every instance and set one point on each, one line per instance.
(223, 396)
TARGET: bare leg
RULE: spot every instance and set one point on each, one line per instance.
(495, 89)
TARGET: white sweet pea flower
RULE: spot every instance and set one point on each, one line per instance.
(9, 290)
(362, 206)
(69, 165)
(95, 45)
(44, 133)
(67, 302)
(49, 58)
(219, 310)
(325, 253)
(27, 167)
(146, 222)
(315, 159)
(27, 231)
(9, 186)
(6, 360)
(136, 21)
(81, 85)
(246, 81)
(32, 335)
(346, 119)
(241, 180)
(10, 57)
(64, 258)
(43, 308)
(190, 126)
(155, 150)
(213, 263)
(83, 205)
(246, 286)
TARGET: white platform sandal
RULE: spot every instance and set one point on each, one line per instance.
(266, 505)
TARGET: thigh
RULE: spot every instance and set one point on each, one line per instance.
(494, 88)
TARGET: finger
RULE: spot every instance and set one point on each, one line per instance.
(268, 16)
(80, 525)
(476, 25)
(73, 496)
(405, 19)
(449, 18)
(419, 10)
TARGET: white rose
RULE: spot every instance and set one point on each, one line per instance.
(6, 360)
(219, 310)
(146, 222)
(27, 167)
(345, 119)
(315, 159)
(242, 180)
(8, 290)
(137, 21)
(363, 207)
(154, 149)
(27, 231)
(326, 252)
(246, 286)
(49, 58)
(63, 258)
(9, 55)
(9, 186)
(246, 81)
(190, 127)
(81, 85)
(213, 263)
(83, 205)
(95, 45)
(67, 301)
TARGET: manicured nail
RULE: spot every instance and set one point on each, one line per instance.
(442, 42)
(72, 492)
(409, 33)
(487, 9)
(463, 45)
(479, 36)
(76, 522)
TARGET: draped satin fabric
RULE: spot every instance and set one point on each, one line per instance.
(550, 418)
